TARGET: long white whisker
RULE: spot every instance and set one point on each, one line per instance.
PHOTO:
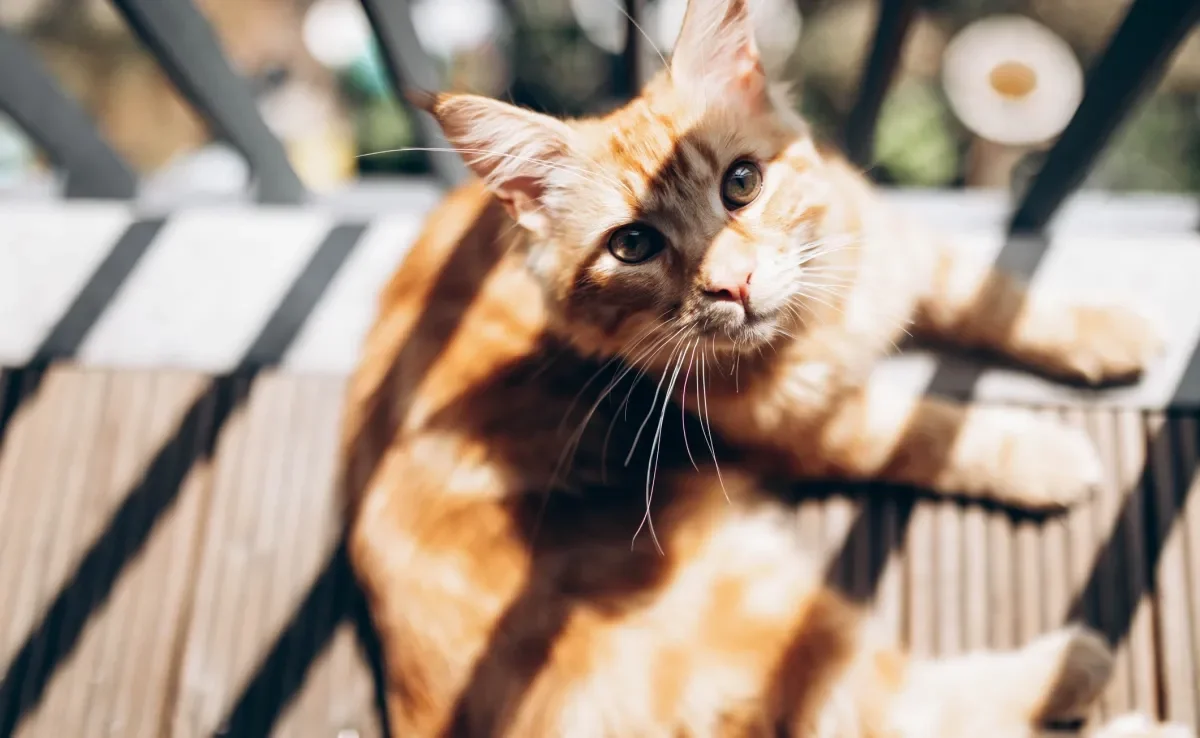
(655, 454)
(683, 405)
(706, 424)
(572, 444)
(653, 404)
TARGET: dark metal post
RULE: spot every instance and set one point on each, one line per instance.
(895, 17)
(412, 68)
(186, 47)
(56, 123)
(1130, 67)
(633, 56)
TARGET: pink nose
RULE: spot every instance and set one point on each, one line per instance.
(731, 289)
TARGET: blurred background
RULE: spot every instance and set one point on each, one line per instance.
(322, 87)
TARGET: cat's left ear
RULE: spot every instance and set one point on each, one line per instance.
(511, 149)
(716, 53)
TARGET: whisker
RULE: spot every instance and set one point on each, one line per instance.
(653, 404)
(655, 454)
(572, 445)
(683, 405)
(706, 424)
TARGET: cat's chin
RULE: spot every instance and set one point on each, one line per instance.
(750, 334)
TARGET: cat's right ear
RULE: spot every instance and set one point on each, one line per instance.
(511, 149)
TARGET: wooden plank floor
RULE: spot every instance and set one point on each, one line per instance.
(170, 564)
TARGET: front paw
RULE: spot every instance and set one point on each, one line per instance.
(1136, 725)
(1020, 459)
(1109, 345)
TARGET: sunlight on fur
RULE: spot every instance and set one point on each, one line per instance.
(558, 443)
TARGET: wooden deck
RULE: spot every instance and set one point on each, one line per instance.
(169, 560)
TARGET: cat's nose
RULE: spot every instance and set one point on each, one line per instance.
(730, 288)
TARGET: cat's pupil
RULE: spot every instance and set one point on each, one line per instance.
(741, 185)
(635, 243)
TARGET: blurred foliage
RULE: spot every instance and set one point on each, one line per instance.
(916, 140)
(545, 60)
(1158, 150)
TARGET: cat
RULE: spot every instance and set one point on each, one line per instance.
(544, 558)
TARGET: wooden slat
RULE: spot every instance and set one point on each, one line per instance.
(1189, 436)
(116, 677)
(76, 525)
(205, 684)
(1105, 508)
(1057, 589)
(33, 489)
(890, 594)
(1132, 435)
(950, 578)
(1002, 579)
(1171, 606)
(126, 438)
(977, 608)
(265, 642)
(922, 580)
(1081, 538)
(148, 614)
(339, 693)
(838, 513)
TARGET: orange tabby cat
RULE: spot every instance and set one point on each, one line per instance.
(500, 454)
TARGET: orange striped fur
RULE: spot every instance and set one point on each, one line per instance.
(549, 547)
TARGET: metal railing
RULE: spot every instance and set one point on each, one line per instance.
(185, 46)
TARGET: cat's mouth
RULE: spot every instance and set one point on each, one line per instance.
(747, 329)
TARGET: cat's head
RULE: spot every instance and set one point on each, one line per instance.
(690, 212)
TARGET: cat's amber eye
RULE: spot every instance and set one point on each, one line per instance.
(635, 243)
(741, 184)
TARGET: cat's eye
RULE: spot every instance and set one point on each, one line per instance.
(741, 184)
(635, 243)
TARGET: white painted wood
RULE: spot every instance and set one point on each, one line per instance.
(47, 253)
(330, 340)
(209, 283)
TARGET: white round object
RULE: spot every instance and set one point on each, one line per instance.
(337, 32)
(602, 22)
(1011, 80)
(214, 169)
(445, 27)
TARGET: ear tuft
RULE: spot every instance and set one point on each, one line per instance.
(423, 100)
(513, 150)
(716, 52)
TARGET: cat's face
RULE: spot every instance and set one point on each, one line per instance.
(689, 213)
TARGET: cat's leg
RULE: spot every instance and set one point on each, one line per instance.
(1054, 680)
(1136, 725)
(1004, 694)
(1005, 454)
(971, 304)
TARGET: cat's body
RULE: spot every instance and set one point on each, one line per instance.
(493, 509)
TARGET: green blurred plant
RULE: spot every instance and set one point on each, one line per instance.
(916, 139)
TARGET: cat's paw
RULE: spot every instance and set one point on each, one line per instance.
(1034, 463)
(1076, 664)
(1110, 345)
(1137, 725)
